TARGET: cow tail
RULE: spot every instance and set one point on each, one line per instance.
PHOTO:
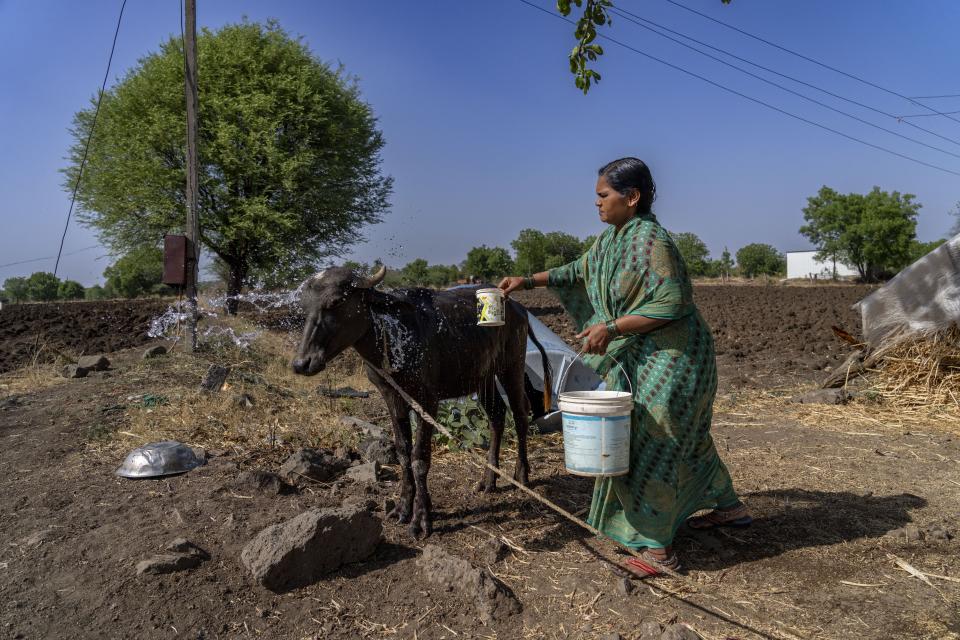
(547, 372)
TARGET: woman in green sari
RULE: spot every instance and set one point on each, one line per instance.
(632, 299)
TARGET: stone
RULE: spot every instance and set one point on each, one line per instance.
(299, 551)
(937, 532)
(214, 378)
(367, 428)
(625, 586)
(243, 400)
(379, 450)
(611, 636)
(368, 472)
(37, 538)
(168, 563)
(94, 363)
(155, 352)
(492, 599)
(650, 630)
(74, 371)
(493, 550)
(263, 481)
(182, 545)
(679, 632)
(822, 396)
(313, 465)
(342, 392)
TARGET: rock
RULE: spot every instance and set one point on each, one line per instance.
(380, 450)
(155, 352)
(625, 586)
(94, 363)
(937, 532)
(851, 368)
(74, 371)
(494, 550)
(342, 392)
(313, 464)
(493, 599)
(822, 396)
(243, 400)
(912, 533)
(650, 630)
(301, 550)
(214, 378)
(367, 428)
(37, 538)
(679, 632)
(182, 545)
(168, 563)
(265, 481)
(611, 636)
(362, 502)
(368, 472)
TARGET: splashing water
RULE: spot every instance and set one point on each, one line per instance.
(399, 341)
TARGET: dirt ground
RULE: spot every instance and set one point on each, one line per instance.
(820, 560)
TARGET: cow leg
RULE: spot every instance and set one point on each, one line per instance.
(422, 523)
(513, 384)
(497, 413)
(400, 417)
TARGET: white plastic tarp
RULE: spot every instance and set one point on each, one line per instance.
(566, 367)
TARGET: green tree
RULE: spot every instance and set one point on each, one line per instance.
(16, 289)
(760, 260)
(415, 273)
(955, 212)
(694, 251)
(919, 249)
(42, 286)
(439, 275)
(136, 274)
(96, 292)
(530, 247)
(289, 155)
(724, 266)
(487, 263)
(872, 233)
(70, 290)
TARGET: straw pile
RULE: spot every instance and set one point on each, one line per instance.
(919, 371)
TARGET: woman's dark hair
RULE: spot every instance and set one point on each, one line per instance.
(631, 174)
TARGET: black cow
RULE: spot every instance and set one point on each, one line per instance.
(430, 344)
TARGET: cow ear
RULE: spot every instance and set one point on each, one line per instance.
(374, 280)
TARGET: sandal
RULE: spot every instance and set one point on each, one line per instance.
(647, 565)
(737, 517)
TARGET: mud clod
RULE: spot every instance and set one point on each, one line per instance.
(493, 599)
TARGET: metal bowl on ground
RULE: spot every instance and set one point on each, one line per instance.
(159, 459)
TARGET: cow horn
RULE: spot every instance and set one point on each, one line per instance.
(375, 279)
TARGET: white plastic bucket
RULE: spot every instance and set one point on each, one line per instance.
(490, 307)
(596, 431)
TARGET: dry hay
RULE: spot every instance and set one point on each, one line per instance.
(920, 371)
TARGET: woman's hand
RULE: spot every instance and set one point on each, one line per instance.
(595, 338)
(511, 284)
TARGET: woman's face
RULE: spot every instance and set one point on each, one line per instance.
(614, 207)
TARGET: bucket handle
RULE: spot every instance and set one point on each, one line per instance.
(566, 372)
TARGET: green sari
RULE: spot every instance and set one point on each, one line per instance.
(674, 466)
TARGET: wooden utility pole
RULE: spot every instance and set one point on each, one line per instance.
(193, 226)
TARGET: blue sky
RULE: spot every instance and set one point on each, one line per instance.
(486, 134)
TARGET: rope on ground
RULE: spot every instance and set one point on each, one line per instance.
(582, 523)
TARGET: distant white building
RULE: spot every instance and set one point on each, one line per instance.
(804, 264)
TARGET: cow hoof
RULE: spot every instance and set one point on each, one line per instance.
(486, 487)
(402, 515)
(421, 528)
(522, 475)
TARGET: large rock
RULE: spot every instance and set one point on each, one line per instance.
(263, 481)
(679, 632)
(74, 371)
(312, 464)
(493, 599)
(379, 450)
(367, 428)
(367, 473)
(154, 352)
(214, 378)
(300, 551)
(94, 363)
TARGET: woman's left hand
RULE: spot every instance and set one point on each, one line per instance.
(595, 338)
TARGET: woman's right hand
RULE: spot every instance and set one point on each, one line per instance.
(511, 284)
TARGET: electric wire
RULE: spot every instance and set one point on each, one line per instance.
(809, 59)
(628, 15)
(639, 22)
(750, 98)
(86, 146)
(72, 253)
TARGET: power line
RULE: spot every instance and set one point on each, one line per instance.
(949, 95)
(809, 59)
(72, 253)
(783, 75)
(923, 115)
(86, 146)
(750, 98)
(640, 24)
